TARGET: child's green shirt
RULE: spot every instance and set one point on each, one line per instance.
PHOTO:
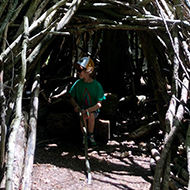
(87, 94)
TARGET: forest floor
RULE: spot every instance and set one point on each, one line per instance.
(116, 164)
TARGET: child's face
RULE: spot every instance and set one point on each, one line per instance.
(81, 73)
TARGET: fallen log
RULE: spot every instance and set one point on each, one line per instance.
(145, 129)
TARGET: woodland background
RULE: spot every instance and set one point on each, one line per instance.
(139, 48)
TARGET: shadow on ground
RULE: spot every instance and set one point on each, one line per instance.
(116, 164)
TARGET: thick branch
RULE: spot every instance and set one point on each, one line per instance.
(16, 121)
(26, 183)
(67, 17)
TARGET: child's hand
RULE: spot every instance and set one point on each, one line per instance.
(76, 109)
(85, 114)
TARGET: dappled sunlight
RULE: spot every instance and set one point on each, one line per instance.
(112, 164)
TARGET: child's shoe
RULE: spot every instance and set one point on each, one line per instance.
(92, 141)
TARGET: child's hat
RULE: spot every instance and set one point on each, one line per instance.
(87, 63)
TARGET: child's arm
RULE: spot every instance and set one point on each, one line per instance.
(95, 107)
(74, 104)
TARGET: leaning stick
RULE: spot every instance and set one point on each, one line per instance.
(89, 176)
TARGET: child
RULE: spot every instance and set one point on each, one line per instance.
(87, 95)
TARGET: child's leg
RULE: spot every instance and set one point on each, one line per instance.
(81, 125)
(91, 122)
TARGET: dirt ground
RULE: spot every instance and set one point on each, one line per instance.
(116, 164)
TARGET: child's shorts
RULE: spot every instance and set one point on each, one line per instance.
(96, 113)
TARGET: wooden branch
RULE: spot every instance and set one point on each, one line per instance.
(16, 12)
(16, 42)
(48, 12)
(49, 20)
(166, 172)
(184, 99)
(121, 4)
(176, 63)
(42, 33)
(113, 27)
(108, 11)
(4, 43)
(37, 52)
(181, 181)
(184, 90)
(26, 182)
(10, 48)
(178, 118)
(11, 149)
(3, 6)
(16, 121)
(171, 40)
(40, 9)
(144, 2)
(3, 127)
(170, 114)
(179, 11)
(30, 11)
(167, 9)
(11, 8)
(56, 6)
(174, 185)
(186, 51)
(188, 153)
(161, 163)
(181, 171)
(67, 17)
(32, 41)
(19, 153)
(18, 9)
(60, 33)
